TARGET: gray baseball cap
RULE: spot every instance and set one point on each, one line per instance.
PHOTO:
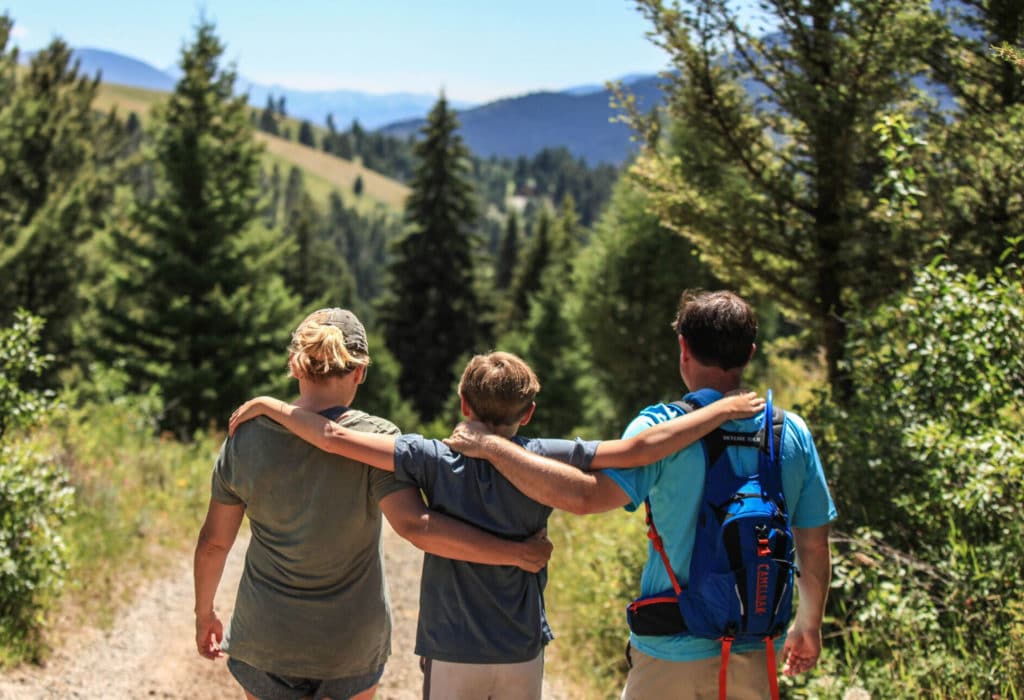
(352, 327)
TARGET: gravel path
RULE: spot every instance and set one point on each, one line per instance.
(150, 653)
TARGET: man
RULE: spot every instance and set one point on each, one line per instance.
(716, 334)
(482, 629)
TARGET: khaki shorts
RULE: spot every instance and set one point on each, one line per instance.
(443, 680)
(656, 679)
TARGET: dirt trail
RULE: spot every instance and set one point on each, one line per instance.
(150, 651)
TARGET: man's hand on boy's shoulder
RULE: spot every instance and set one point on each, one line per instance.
(470, 439)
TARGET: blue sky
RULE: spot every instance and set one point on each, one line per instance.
(475, 49)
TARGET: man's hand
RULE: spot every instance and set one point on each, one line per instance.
(803, 646)
(537, 552)
(744, 405)
(209, 635)
(253, 408)
(469, 438)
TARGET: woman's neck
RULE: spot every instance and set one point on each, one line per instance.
(318, 396)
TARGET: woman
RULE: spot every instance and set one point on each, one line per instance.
(311, 618)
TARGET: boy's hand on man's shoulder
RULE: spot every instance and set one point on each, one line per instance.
(745, 404)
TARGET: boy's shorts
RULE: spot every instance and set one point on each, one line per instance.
(270, 686)
(443, 680)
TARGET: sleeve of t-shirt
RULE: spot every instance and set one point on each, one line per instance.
(637, 482)
(411, 455)
(814, 507)
(577, 453)
(383, 483)
(221, 487)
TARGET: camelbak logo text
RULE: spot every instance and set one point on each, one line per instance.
(761, 600)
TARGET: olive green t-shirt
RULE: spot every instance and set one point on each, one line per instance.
(312, 601)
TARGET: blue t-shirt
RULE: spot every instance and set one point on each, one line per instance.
(475, 613)
(675, 486)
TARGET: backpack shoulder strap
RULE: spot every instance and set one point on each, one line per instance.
(714, 442)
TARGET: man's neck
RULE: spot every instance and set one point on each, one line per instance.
(720, 380)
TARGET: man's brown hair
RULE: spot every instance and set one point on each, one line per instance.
(719, 327)
(499, 387)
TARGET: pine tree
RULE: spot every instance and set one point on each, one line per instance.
(974, 193)
(433, 314)
(508, 256)
(268, 120)
(56, 191)
(627, 286)
(315, 271)
(306, 137)
(527, 277)
(772, 182)
(357, 186)
(551, 344)
(197, 305)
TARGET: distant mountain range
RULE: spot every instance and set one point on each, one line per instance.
(577, 118)
(372, 110)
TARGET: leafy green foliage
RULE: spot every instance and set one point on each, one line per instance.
(433, 313)
(196, 303)
(35, 498)
(771, 144)
(20, 364)
(929, 476)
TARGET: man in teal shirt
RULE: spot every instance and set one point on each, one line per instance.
(716, 334)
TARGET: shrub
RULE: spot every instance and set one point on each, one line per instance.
(35, 498)
(929, 479)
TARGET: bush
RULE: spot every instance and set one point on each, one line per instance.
(929, 479)
(35, 499)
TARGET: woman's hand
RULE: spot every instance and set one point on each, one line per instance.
(253, 408)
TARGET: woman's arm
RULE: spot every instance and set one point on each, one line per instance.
(448, 537)
(215, 539)
(368, 448)
(660, 441)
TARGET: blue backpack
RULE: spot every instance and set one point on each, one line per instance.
(740, 584)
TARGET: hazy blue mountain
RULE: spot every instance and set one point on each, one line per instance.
(121, 69)
(372, 110)
(627, 79)
(522, 126)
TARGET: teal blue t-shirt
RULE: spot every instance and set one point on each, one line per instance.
(675, 486)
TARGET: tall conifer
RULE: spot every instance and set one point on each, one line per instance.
(432, 314)
(508, 256)
(55, 193)
(197, 304)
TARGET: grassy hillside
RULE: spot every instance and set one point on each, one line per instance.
(324, 172)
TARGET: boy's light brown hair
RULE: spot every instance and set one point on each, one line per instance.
(499, 387)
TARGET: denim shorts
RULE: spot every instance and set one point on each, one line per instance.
(270, 686)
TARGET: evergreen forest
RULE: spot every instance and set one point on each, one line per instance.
(857, 174)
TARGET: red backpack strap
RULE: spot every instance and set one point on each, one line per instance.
(723, 669)
(773, 672)
(659, 547)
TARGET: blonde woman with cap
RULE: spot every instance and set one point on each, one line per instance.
(311, 618)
